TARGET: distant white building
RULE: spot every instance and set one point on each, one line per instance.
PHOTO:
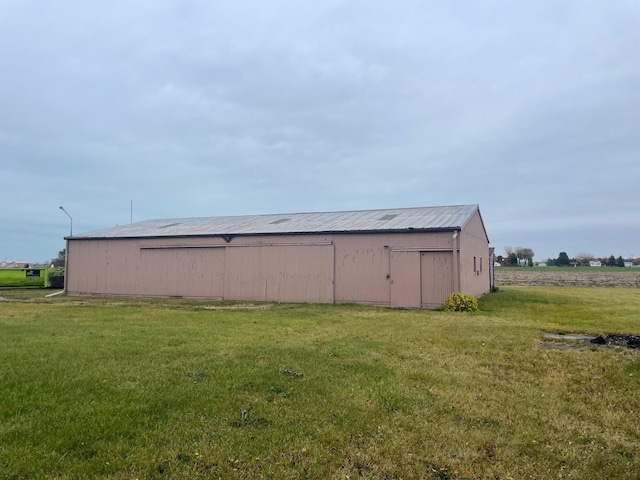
(13, 264)
(595, 263)
(628, 264)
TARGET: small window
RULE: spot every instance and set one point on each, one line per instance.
(474, 264)
(480, 264)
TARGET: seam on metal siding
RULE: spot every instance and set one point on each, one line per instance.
(168, 247)
(292, 244)
(333, 280)
(418, 249)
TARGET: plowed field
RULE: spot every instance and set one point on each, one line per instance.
(598, 277)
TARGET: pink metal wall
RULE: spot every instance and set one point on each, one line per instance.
(396, 269)
(474, 258)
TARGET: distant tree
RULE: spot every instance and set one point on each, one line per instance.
(508, 251)
(59, 261)
(525, 256)
(563, 259)
(611, 261)
(620, 262)
(513, 259)
(519, 256)
(584, 258)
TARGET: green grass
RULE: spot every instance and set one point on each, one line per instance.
(135, 388)
(16, 277)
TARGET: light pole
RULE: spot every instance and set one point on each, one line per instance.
(71, 231)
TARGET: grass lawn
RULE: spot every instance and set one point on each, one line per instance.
(132, 388)
(17, 277)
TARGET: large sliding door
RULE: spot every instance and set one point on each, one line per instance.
(405, 279)
(182, 272)
(420, 279)
(280, 273)
(436, 270)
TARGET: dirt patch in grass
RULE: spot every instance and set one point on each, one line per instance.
(239, 306)
(569, 278)
(572, 341)
(629, 341)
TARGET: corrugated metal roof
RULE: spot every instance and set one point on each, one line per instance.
(396, 219)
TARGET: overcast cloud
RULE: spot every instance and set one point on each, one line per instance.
(529, 109)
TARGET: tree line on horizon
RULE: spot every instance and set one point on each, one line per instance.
(583, 259)
(523, 256)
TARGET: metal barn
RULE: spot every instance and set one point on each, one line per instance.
(405, 257)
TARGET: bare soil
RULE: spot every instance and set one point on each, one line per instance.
(627, 278)
(572, 341)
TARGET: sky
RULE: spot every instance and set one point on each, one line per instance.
(206, 108)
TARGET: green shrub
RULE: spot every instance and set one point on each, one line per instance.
(460, 302)
(55, 279)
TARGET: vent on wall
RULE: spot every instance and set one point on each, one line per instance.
(388, 216)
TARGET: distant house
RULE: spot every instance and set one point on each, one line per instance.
(595, 263)
(628, 263)
(14, 264)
